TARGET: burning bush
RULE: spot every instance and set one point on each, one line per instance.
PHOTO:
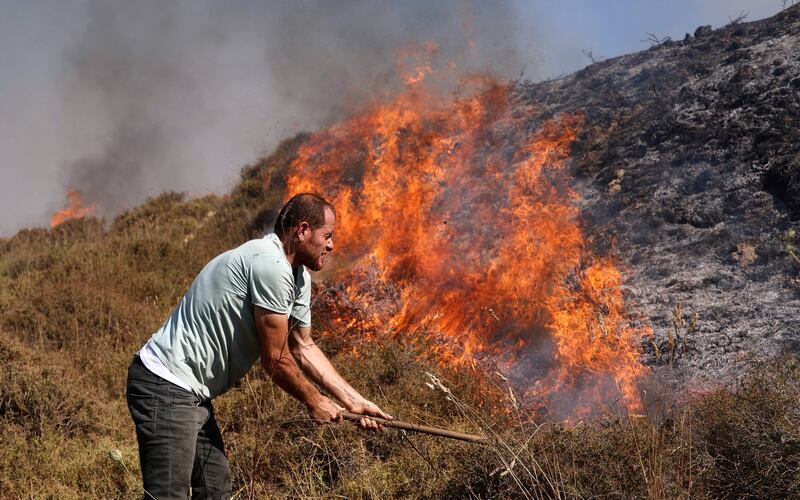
(75, 209)
(456, 222)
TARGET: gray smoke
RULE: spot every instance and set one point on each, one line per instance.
(124, 100)
(187, 91)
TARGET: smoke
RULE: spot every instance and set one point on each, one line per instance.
(179, 94)
(124, 100)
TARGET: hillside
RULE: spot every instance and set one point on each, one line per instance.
(690, 162)
(669, 178)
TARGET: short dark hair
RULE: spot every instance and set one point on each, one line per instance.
(308, 207)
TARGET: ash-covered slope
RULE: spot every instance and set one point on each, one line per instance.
(689, 159)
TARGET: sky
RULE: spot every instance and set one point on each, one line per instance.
(124, 100)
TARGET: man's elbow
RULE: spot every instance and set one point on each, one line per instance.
(298, 356)
(274, 364)
(298, 347)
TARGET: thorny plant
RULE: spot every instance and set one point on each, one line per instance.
(790, 239)
(655, 40)
(508, 454)
(591, 56)
(540, 473)
(785, 4)
(733, 21)
(675, 345)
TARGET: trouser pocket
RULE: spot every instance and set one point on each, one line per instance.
(141, 393)
(144, 411)
(182, 398)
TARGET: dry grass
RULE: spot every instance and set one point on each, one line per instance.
(745, 254)
(77, 301)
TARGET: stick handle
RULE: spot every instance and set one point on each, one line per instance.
(436, 431)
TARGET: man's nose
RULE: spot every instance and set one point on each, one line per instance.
(330, 245)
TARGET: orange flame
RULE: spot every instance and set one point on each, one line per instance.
(416, 63)
(460, 225)
(74, 210)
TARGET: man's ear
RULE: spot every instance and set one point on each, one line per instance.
(303, 230)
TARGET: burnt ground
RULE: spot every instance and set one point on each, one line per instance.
(689, 160)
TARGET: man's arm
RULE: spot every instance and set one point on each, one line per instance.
(318, 368)
(276, 359)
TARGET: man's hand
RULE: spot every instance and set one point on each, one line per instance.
(318, 368)
(365, 407)
(324, 411)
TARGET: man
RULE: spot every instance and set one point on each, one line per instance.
(254, 300)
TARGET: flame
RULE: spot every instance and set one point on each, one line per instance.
(457, 224)
(74, 210)
(415, 63)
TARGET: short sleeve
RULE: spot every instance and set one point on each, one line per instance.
(301, 308)
(271, 284)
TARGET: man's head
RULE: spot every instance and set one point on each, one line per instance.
(305, 226)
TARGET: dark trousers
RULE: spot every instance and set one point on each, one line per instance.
(180, 445)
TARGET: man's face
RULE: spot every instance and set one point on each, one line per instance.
(314, 245)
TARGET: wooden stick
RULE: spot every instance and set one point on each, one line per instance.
(436, 431)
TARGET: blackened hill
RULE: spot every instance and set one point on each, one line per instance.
(691, 161)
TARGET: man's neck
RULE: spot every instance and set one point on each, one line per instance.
(288, 251)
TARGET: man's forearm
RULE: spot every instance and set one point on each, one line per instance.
(286, 374)
(318, 368)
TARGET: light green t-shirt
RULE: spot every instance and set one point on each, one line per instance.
(210, 340)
